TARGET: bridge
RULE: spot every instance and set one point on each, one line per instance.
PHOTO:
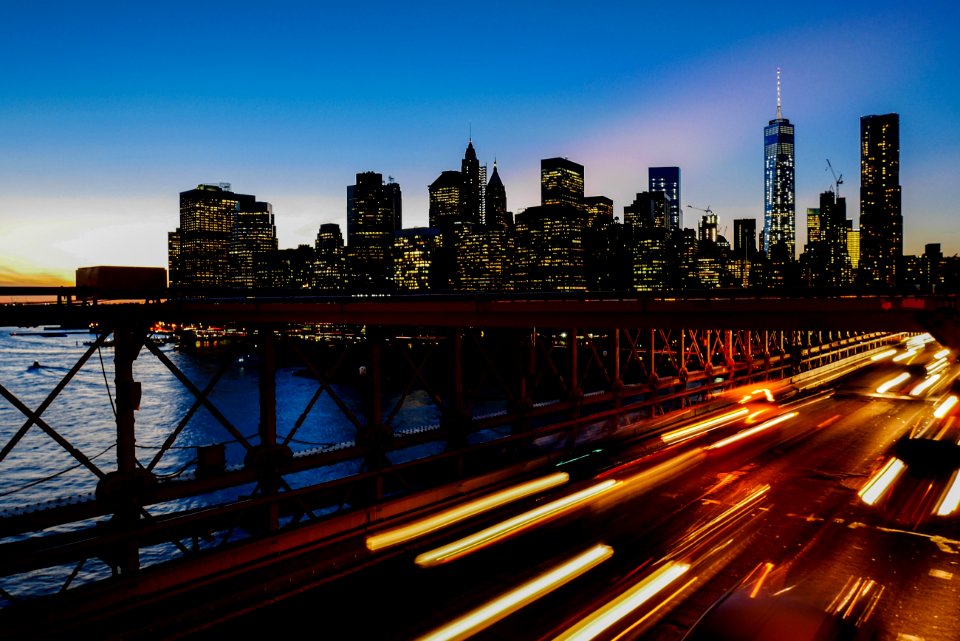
(558, 380)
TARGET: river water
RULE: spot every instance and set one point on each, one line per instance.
(38, 471)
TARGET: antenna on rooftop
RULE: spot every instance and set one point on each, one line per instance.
(779, 115)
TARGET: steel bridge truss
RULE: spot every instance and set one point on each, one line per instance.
(517, 384)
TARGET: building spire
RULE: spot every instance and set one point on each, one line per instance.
(779, 115)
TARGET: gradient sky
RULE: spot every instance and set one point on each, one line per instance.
(109, 110)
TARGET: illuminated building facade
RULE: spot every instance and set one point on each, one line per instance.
(881, 219)
(550, 252)
(414, 252)
(199, 249)
(666, 180)
(779, 213)
(496, 214)
(648, 209)
(373, 217)
(561, 183)
(707, 229)
(598, 207)
(853, 246)
(826, 262)
(650, 264)
(252, 236)
(481, 257)
(813, 226)
(329, 270)
(445, 199)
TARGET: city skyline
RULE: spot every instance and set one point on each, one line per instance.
(97, 146)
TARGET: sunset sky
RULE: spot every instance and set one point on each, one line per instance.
(109, 110)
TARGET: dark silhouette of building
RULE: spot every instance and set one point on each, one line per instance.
(826, 261)
(779, 213)
(373, 217)
(471, 191)
(666, 180)
(445, 201)
(288, 268)
(561, 183)
(330, 269)
(496, 214)
(881, 219)
(744, 238)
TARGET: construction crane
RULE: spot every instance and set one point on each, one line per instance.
(838, 180)
(709, 222)
(707, 210)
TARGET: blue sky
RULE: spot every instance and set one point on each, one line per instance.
(109, 110)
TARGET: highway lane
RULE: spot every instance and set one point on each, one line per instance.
(810, 525)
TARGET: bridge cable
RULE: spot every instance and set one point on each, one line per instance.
(106, 382)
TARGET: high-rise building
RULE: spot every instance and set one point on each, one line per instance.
(881, 219)
(779, 215)
(252, 236)
(496, 214)
(414, 252)
(373, 216)
(666, 180)
(744, 235)
(598, 207)
(561, 183)
(550, 252)
(827, 259)
(481, 257)
(329, 271)
(707, 229)
(445, 199)
(199, 249)
(472, 188)
(648, 210)
(813, 225)
(853, 245)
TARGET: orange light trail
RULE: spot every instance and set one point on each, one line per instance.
(925, 384)
(508, 603)
(881, 481)
(599, 621)
(883, 355)
(739, 436)
(767, 567)
(450, 516)
(511, 526)
(893, 382)
(945, 406)
(703, 426)
(951, 498)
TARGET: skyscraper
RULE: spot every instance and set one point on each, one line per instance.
(744, 234)
(329, 269)
(561, 182)
(252, 237)
(779, 216)
(881, 219)
(199, 249)
(373, 216)
(445, 198)
(666, 180)
(496, 214)
(471, 189)
(598, 207)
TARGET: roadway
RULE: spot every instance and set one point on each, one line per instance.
(765, 498)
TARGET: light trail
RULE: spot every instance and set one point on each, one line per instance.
(703, 426)
(508, 603)
(907, 354)
(881, 481)
(951, 498)
(511, 526)
(945, 406)
(924, 385)
(739, 436)
(450, 516)
(883, 355)
(893, 382)
(767, 567)
(599, 621)
(943, 353)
